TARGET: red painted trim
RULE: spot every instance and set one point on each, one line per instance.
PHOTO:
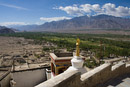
(62, 60)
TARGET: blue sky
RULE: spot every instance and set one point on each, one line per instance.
(22, 12)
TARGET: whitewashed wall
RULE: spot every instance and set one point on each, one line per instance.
(5, 82)
(29, 78)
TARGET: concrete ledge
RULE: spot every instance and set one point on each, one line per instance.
(117, 66)
(96, 76)
(62, 80)
(94, 71)
(127, 65)
(118, 70)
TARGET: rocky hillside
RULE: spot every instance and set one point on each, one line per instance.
(5, 30)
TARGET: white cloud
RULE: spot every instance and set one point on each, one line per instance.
(72, 10)
(54, 19)
(86, 8)
(38, 23)
(13, 6)
(90, 9)
(95, 9)
(119, 11)
(12, 23)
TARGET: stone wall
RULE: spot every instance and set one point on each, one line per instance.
(92, 78)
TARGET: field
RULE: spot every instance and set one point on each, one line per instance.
(108, 44)
(99, 46)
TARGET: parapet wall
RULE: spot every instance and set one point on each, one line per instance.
(92, 78)
(103, 73)
(67, 79)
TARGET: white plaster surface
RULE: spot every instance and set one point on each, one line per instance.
(77, 62)
(5, 82)
(29, 78)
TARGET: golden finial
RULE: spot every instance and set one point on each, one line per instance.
(77, 47)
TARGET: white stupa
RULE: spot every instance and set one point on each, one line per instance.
(77, 61)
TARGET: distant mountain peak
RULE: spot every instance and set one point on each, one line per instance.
(101, 21)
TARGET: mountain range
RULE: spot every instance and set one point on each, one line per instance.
(82, 22)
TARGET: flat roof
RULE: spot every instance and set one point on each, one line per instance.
(26, 67)
(61, 56)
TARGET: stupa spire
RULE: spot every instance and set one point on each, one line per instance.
(77, 47)
(77, 61)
